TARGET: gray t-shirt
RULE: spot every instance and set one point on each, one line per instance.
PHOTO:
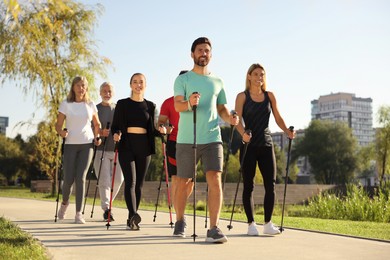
(106, 114)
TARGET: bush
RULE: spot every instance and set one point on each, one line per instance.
(355, 205)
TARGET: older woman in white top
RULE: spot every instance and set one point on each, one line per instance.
(77, 112)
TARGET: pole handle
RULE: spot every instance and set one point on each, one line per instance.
(194, 107)
(248, 132)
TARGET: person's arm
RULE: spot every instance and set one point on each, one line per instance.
(117, 121)
(59, 125)
(278, 118)
(223, 112)
(162, 119)
(240, 100)
(96, 129)
(182, 105)
(226, 116)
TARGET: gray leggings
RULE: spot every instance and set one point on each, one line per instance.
(77, 158)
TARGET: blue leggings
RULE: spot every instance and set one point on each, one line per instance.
(265, 158)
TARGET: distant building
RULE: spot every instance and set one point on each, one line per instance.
(3, 124)
(346, 107)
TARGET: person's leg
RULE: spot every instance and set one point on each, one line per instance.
(84, 160)
(142, 165)
(69, 164)
(126, 161)
(181, 197)
(214, 196)
(248, 175)
(118, 176)
(102, 171)
(212, 159)
(267, 166)
(70, 154)
(185, 173)
(171, 167)
(188, 189)
(173, 190)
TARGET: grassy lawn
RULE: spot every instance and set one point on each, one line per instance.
(16, 244)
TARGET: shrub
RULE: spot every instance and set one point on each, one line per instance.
(355, 205)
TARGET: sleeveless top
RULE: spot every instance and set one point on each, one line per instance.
(256, 117)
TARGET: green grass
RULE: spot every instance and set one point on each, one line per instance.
(293, 217)
(16, 244)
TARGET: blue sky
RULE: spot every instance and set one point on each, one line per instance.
(308, 48)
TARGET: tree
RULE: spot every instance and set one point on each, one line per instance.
(11, 158)
(382, 142)
(44, 44)
(366, 161)
(281, 163)
(330, 147)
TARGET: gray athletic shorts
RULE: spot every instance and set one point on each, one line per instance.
(210, 154)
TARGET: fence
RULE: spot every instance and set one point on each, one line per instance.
(296, 193)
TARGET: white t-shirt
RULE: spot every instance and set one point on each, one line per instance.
(78, 121)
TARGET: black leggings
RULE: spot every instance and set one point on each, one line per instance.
(134, 161)
(265, 158)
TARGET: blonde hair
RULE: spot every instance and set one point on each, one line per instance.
(72, 96)
(250, 70)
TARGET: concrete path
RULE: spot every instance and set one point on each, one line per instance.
(66, 240)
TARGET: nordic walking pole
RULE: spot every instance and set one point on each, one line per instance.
(207, 198)
(112, 184)
(248, 132)
(291, 128)
(90, 172)
(100, 169)
(61, 169)
(194, 107)
(159, 185)
(229, 150)
(167, 179)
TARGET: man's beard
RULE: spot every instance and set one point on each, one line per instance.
(201, 63)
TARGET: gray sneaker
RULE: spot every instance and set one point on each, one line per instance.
(179, 231)
(215, 235)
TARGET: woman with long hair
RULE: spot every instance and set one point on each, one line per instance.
(254, 106)
(77, 112)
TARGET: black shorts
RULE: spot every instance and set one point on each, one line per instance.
(171, 157)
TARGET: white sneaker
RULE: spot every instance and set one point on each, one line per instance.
(79, 219)
(252, 229)
(62, 211)
(270, 229)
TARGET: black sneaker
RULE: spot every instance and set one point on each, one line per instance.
(179, 230)
(105, 215)
(132, 223)
(215, 235)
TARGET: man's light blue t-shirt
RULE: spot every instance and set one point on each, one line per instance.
(212, 93)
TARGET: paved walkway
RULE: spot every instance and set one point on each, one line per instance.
(66, 240)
